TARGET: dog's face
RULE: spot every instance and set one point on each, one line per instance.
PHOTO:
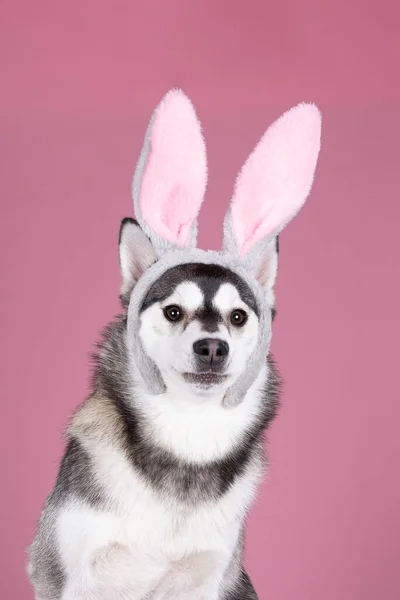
(199, 324)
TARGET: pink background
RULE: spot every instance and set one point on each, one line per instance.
(79, 80)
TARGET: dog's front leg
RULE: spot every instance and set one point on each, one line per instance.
(115, 572)
(197, 577)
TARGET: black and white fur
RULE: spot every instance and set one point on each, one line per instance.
(153, 491)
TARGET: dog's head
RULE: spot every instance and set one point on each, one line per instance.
(199, 324)
(203, 319)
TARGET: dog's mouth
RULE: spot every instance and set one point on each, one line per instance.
(207, 379)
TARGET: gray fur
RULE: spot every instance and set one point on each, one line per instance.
(45, 566)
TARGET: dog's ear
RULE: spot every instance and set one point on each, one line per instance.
(171, 175)
(136, 255)
(270, 190)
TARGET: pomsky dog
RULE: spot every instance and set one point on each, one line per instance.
(163, 459)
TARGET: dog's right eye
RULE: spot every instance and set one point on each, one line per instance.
(173, 313)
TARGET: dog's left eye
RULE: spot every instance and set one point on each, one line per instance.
(238, 317)
(173, 313)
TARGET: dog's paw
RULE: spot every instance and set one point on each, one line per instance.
(194, 578)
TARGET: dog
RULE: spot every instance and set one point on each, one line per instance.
(163, 460)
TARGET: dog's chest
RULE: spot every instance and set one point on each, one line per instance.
(207, 521)
(138, 514)
(162, 522)
(149, 526)
(148, 523)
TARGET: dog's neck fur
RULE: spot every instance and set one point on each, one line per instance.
(189, 436)
(196, 428)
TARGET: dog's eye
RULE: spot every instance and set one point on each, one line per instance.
(238, 317)
(173, 313)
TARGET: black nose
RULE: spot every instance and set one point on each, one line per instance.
(210, 351)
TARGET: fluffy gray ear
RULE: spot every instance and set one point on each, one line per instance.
(274, 182)
(136, 255)
(271, 188)
(171, 175)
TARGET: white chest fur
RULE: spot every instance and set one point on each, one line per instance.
(139, 526)
(139, 517)
(151, 537)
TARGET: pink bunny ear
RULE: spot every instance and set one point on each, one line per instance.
(276, 178)
(171, 176)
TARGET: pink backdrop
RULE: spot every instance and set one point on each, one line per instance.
(79, 80)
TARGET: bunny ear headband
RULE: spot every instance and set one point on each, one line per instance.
(168, 190)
